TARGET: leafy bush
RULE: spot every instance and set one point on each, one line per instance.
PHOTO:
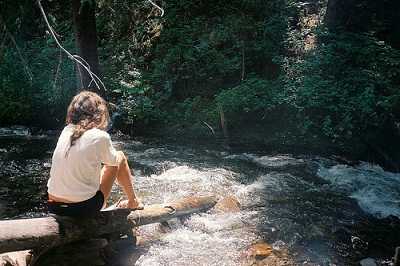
(42, 100)
(246, 58)
(188, 56)
(251, 95)
(348, 85)
(15, 92)
(205, 47)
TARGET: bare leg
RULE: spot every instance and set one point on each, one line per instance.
(108, 176)
(123, 174)
(124, 180)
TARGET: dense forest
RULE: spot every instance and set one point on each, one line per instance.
(316, 76)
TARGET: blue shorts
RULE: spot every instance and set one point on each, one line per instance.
(88, 207)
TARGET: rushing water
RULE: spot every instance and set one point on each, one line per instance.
(313, 210)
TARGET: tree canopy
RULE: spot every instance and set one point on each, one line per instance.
(282, 73)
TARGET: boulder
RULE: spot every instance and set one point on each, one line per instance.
(227, 204)
(260, 250)
(263, 254)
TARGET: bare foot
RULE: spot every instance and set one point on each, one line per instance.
(137, 204)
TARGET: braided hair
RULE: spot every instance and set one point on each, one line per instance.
(87, 110)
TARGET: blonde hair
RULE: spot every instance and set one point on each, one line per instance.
(87, 110)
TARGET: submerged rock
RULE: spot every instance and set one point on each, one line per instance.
(274, 261)
(263, 254)
(368, 262)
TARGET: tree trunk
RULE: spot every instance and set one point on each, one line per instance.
(381, 17)
(86, 42)
(339, 14)
(48, 232)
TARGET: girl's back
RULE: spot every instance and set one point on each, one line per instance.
(76, 169)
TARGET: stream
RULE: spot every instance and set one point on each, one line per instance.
(311, 210)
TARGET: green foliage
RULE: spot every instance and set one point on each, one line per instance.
(170, 69)
(15, 93)
(348, 85)
(244, 58)
(251, 95)
(37, 81)
(139, 108)
(208, 46)
(191, 111)
(204, 57)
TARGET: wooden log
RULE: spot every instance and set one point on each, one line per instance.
(53, 231)
(47, 232)
(161, 213)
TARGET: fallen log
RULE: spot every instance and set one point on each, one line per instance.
(164, 212)
(48, 232)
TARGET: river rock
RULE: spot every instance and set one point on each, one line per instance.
(368, 262)
(227, 204)
(263, 254)
(274, 261)
(260, 250)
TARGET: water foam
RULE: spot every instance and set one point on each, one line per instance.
(203, 239)
(376, 191)
(182, 181)
(267, 161)
(188, 247)
(274, 204)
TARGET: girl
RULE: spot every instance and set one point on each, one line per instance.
(85, 164)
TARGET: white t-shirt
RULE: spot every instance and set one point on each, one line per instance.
(76, 177)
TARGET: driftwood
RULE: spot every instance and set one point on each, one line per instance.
(48, 232)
